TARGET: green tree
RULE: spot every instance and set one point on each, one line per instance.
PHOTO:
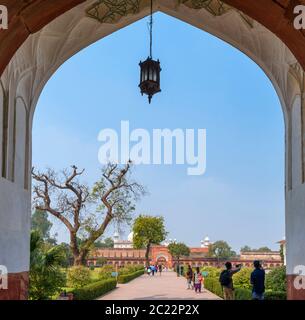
(148, 230)
(46, 277)
(101, 261)
(67, 255)
(41, 223)
(263, 249)
(282, 252)
(245, 249)
(107, 243)
(178, 250)
(276, 279)
(220, 250)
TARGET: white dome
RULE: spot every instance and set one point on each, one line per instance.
(206, 239)
(116, 235)
(130, 237)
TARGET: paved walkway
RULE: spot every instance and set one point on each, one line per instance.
(167, 286)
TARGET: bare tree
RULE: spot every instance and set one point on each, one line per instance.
(86, 213)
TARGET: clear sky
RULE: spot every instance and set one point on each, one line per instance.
(206, 83)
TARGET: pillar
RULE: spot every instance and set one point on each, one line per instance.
(295, 202)
(14, 239)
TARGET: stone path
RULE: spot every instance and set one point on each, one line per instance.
(167, 286)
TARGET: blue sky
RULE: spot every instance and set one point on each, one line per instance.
(206, 83)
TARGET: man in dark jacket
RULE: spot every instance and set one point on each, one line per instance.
(226, 280)
(258, 281)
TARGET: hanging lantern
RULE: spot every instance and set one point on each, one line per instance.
(150, 77)
(150, 69)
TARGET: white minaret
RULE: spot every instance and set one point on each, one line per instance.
(205, 242)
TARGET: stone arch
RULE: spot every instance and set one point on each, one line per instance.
(39, 57)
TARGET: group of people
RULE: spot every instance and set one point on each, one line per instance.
(195, 280)
(151, 270)
(257, 280)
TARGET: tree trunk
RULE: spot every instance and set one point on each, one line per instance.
(80, 259)
(147, 254)
(74, 249)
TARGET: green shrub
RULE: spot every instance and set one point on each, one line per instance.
(213, 285)
(276, 279)
(124, 278)
(94, 290)
(130, 269)
(213, 272)
(241, 279)
(275, 295)
(243, 294)
(78, 277)
(105, 272)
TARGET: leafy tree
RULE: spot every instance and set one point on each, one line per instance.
(282, 252)
(46, 278)
(245, 249)
(86, 214)
(67, 255)
(276, 279)
(41, 223)
(107, 243)
(148, 230)
(263, 249)
(101, 261)
(179, 249)
(220, 250)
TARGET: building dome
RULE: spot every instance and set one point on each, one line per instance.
(130, 237)
(116, 236)
(207, 239)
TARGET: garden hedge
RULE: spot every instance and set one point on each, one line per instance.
(275, 295)
(213, 285)
(94, 290)
(124, 278)
(242, 294)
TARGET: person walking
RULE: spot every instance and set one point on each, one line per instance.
(189, 277)
(152, 270)
(197, 280)
(226, 280)
(258, 281)
(160, 269)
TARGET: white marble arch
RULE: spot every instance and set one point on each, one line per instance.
(43, 53)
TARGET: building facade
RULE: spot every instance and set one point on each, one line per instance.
(159, 254)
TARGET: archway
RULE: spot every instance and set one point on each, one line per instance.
(44, 51)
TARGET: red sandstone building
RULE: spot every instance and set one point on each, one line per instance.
(123, 254)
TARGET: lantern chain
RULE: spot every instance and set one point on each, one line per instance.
(151, 27)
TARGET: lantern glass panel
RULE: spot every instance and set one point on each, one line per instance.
(151, 73)
(155, 75)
